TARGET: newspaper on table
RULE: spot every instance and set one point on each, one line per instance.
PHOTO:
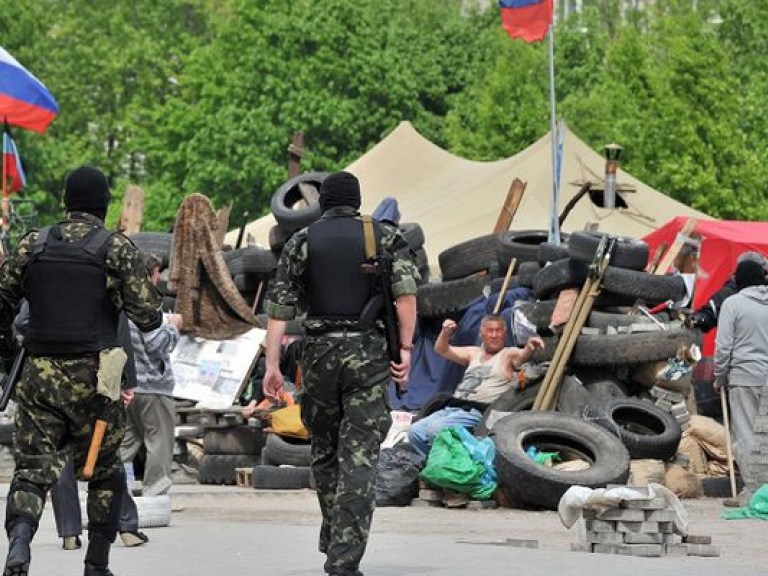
(214, 372)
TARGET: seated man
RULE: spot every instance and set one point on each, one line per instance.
(491, 370)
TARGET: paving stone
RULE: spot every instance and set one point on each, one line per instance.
(632, 538)
(419, 503)
(521, 543)
(706, 550)
(667, 527)
(644, 550)
(660, 516)
(637, 527)
(482, 504)
(697, 539)
(430, 495)
(594, 525)
(605, 538)
(652, 504)
(670, 538)
(665, 405)
(676, 549)
(578, 547)
(625, 514)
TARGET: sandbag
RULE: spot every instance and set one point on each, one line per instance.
(397, 475)
(646, 471)
(711, 436)
(684, 483)
(690, 447)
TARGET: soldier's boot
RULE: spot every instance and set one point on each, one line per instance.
(97, 556)
(19, 538)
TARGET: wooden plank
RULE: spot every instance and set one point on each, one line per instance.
(511, 204)
(309, 193)
(223, 218)
(657, 258)
(672, 253)
(566, 301)
(243, 477)
(133, 210)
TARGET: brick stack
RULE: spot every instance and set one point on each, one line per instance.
(757, 464)
(641, 528)
(674, 403)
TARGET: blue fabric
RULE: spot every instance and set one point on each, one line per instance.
(387, 210)
(518, 3)
(423, 432)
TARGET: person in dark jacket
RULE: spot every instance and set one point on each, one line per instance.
(77, 278)
(345, 367)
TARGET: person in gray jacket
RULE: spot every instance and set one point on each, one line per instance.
(741, 357)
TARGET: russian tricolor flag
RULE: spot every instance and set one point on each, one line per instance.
(12, 168)
(526, 19)
(24, 100)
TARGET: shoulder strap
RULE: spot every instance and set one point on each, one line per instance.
(370, 237)
(42, 238)
(96, 240)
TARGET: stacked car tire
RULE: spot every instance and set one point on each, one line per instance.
(228, 448)
(284, 464)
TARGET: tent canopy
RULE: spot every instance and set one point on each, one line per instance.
(455, 199)
(722, 242)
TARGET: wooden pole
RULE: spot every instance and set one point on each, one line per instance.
(505, 285)
(295, 153)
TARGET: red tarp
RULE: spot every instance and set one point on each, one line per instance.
(722, 241)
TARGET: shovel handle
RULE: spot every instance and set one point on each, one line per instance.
(93, 450)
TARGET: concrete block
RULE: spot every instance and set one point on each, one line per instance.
(605, 538)
(667, 527)
(652, 504)
(660, 516)
(632, 538)
(430, 495)
(697, 539)
(658, 393)
(578, 547)
(643, 550)
(482, 504)
(706, 550)
(594, 525)
(685, 418)
(419, 503)
(676, 549)
(670, 538)
(625, 514)
(521, 543)
(637, 527)
(665, 405)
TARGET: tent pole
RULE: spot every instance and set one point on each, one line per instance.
(554, 223)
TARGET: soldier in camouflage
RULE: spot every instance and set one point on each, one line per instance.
(77, 278)
(345, 368)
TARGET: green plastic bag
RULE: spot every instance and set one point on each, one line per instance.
(757, 507)
(452, 466)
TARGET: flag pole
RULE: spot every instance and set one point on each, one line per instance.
(554, 224)
(5, 182)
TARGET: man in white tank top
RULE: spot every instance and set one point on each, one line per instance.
(491, 370)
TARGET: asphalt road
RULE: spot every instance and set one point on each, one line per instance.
(227, 530)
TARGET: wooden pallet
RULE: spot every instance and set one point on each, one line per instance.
(244, 477)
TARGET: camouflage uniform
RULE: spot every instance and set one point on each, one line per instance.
(344, 401)
(57, 397)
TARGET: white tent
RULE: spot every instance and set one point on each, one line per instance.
(455, 199)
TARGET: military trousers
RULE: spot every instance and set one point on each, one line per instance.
(345, 409)
(57, 410)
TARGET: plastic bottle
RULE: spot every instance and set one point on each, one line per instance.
(532, 452)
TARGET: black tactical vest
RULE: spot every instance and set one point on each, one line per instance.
(70, 312)
(336, 287)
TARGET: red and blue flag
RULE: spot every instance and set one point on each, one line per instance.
(24, 100)
(12, 168)
(528, 20)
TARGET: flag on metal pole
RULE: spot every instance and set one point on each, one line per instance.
(528, 20)
(24, 100)
(12, 168)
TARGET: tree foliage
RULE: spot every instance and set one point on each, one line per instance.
(185, 96)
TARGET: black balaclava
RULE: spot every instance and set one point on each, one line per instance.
(749, 273)
(340, 189)
(87, 190)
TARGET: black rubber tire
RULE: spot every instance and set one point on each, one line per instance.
(169, 304)
(437, 299)
(466, 258)
(234, 440)
(558, 276)
(540, 314)
(279, 450)
(250, 261)
(220, 468)
(620, 349)
(288, 194)
(433, 404)
(421, 261)
(720, 486)
(601, 384)
(413, 234)
(646, 430)
(526, 274)
(6, 433)
(162, 284)
(549, 252)
(653, 289)
(156, 243)
(509, 401)
(628, 252)
(265, 477)
(531, 484)
(523, 245)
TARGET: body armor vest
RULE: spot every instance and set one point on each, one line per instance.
(70, 311)
(336, 286)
